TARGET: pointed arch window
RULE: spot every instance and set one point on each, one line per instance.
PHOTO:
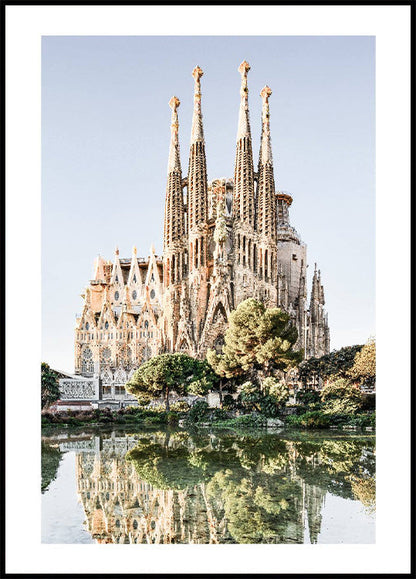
(87, 361)
(184, 346)
(219, 344)
(134, 295)
(117, 296)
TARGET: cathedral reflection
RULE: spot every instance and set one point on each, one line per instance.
(175, 487)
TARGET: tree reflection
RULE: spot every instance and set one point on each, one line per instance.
(51, 458)
(183, 488)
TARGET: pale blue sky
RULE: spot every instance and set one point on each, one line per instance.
(105, 140)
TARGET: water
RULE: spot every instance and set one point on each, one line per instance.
(174, 486)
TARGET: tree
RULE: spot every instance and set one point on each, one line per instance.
(337, 363)
(266, 399)
(364, 368)
(276, 389)
(160, 375)
(341, 397)
(49, 386)
(258, 340)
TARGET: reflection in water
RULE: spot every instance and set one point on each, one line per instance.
(51, 457)
(177, 487)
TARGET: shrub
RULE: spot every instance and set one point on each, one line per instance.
(313, 419)
(363, 420)
(219, 414)
(368, 402)
(228, 402)
(172, 418)
(180, 406)
(198, 411)
(105, 418)
(154, 419)
(308, 397)
(249, 420)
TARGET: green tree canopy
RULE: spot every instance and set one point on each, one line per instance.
(179, 372)
(49, 385)
(364, 367)
(337, 363)
(257, 340)
(341, 397)
(266, 399)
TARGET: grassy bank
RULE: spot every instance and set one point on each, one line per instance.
(202, 416)
(106, 416)
(319, 419)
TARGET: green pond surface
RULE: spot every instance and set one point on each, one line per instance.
(160, 485)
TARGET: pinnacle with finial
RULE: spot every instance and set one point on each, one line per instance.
(174, 163)
(244, 68)
(197, 73)
(174, 103)
(265, 93)
(197, 132)
(243, 121)
(265, 145)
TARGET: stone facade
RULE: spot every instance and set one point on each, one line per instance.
(224, 241)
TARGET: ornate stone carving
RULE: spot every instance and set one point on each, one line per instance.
(77, 389)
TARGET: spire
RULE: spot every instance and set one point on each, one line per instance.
(266, 200)
(197, 172)
(243, 119)
(244, 172)
(314, 308)
(197, 133)
(321, 293)
(174, 224)
(174, 164)
(315, 285)
(116, 273)
(134, 273)
(99, 274)
(266, 145)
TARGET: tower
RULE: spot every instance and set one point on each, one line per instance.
(174, 237)
(245, 248)
(197, 213)
(266, 203)
(319, 331)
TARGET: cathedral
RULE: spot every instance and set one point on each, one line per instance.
(223, 242)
